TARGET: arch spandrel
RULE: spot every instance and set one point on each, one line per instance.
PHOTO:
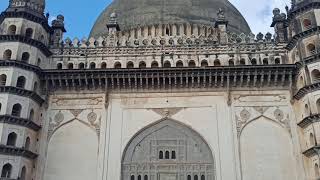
(188, 153)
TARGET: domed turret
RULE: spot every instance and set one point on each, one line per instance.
(138, 13)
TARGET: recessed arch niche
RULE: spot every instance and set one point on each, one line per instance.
(72, 148)
(192, 155)
(266, 151)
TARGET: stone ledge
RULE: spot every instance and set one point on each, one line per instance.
(20, 64)
(19, 38)
(312, 151)
(15, 151)
(296, 37)
(8, 119)
(25, 15)
(309, 60)
(307, 89)
(22, 92)
(309, 120)
(302, 7)
(263, 76)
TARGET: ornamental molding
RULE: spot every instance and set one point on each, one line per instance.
(89, 117)
(247, 114)
(167, 112)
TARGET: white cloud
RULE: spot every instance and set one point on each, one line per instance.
(258, 13)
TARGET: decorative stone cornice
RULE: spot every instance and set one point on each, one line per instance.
(307, 89)
(309, 120)
(302, 7)
(15, 151)
(22, 92)
(19, 38)
(8, 119)
(25, 15)
(20, 64)
(312, 151)
(293, 41)
(240, 77)
(309, 60)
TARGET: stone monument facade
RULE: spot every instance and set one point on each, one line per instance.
(161, 90)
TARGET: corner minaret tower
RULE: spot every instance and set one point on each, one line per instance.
(303, 47)
(24, 49)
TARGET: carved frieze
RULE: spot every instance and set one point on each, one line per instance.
(247, 114)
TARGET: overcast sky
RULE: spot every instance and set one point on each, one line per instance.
(80, 15)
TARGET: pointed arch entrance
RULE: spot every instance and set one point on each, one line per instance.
(167, 150)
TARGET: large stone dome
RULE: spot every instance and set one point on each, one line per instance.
(135, 13)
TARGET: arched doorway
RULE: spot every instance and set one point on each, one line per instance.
(167, 150)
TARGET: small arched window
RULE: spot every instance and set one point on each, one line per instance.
(242, 62)
(265, 61)
(7, 54)
(254, 61)
(179, 64)
(21, 82)
(167, 155)
(92, 65)
(70, 66)
(231, 62)
(59, 66)
(316, 171)
(195, 177)
(139, 177)
(203, 177)
(35, 86)
(306, 110)
(6, 171)
(132, 177)
(16, 110)
(192, 63)
(167, 64)
(277, 61)
(12, 139)
(81, 66)
(315, 75)
(173, 155)
(29, 33)
(142, 64)
(307, 23)
(31, 115)
(145, 177)
(38, 62)
(311, 49)
(25, 57)
(204, 63)
(312, 140)
(12, 30)
(217, 62)
(27, 144)
(23, 173)
(188, 177)
(130, 65)
(154, 64)
(160, 154)
(3, 80)
(117, 65)
(167, 31)
(103, 65)
(318, 105)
